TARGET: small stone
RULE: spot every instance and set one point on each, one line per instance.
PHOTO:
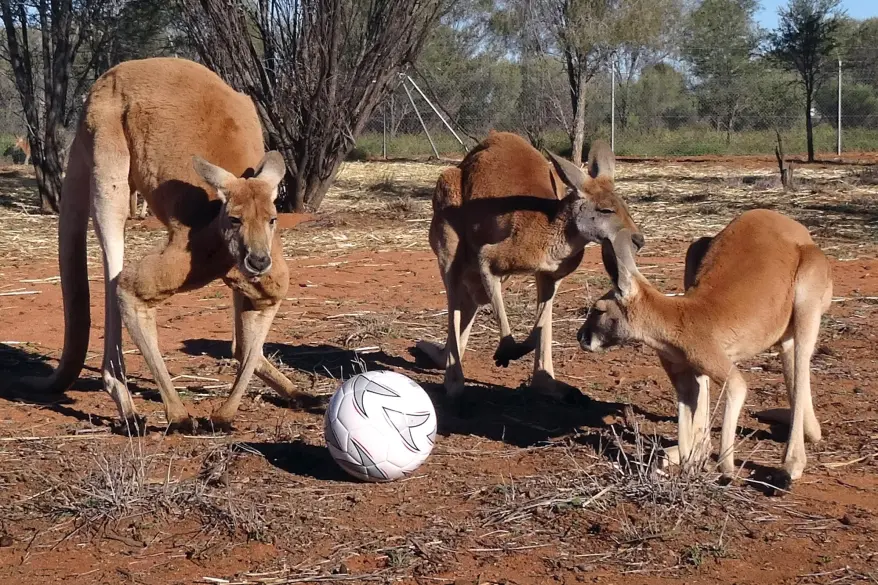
(848, 520)
(6, 541)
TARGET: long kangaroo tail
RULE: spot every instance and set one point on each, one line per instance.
(72, 259)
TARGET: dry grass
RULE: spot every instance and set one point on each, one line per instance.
(98, 494)
(672, 201)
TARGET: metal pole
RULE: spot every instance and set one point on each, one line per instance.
(420, 119)
(384, 130)
(839, 108)
(612, 108)
(444, 121)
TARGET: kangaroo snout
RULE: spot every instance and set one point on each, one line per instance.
(584, 337)
(256, 263)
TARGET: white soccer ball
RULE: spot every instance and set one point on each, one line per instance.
(380, 426)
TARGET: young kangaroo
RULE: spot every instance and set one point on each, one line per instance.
(142, 124)
(505, 210)
(759, 282)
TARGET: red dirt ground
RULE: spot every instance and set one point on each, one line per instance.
(290, 514)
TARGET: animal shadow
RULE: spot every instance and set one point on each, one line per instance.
(323, 360)
(517, 416)
(16, 362)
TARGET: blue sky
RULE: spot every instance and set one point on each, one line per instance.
(767, 14)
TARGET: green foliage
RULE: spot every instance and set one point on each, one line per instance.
(859, 48)
(720, 43)
(407, 145)
(691, 140)
(859, 104)
(721, 37)
(454, 58)
(807, 35)
(8, 148)
(660, 99)
(806, 38)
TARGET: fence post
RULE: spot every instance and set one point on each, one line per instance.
(838, 147)
(612, 108)
(441, 117)
(384, 131)
(420, 119)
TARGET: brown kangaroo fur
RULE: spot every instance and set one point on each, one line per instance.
(761, 281)
(505, 210)
(145, 126)
(22, 143)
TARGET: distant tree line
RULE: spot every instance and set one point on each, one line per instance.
(539, 66)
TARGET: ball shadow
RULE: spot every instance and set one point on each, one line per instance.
(300, 458)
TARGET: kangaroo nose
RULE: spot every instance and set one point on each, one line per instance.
(584, 337)
(638, 240)
(258, 263)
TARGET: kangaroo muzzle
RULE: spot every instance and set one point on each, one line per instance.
(257, 264)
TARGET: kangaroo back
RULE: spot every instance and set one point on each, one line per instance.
(504, 165)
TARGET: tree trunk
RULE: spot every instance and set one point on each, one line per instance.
(294, 200)
(318, 188)
(58, 44)
(786, 169)
(809, 126)
(50, 192)
(579, 124)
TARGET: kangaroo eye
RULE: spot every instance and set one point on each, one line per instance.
(234, 220)
(272, 221)
(606, 210)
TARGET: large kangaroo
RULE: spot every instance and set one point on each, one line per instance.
(152, 125)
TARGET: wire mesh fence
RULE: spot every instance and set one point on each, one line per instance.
(657, 109)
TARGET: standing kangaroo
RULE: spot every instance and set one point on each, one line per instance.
(506, 210)
(760, 282)
(152, 125)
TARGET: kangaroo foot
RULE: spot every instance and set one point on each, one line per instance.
(510, 350)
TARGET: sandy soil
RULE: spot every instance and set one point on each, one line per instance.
(518, 489)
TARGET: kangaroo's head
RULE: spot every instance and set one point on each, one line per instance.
(607, 323)
(21, 142)
(598, 211)
(248, 217)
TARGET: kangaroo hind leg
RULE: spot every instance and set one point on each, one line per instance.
(813, 292)
(109, 188)
(265, 370)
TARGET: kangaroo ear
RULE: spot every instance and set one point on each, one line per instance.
(601, 160)
(571, 174)
(271, 169)
(618, 256)
(216, 177)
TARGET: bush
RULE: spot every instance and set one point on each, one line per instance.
(859, 105)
